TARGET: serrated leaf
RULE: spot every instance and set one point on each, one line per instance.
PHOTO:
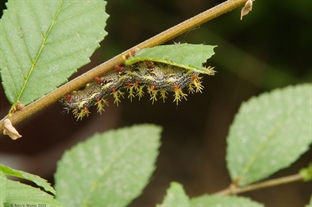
(223, 201)
(175, 196)
(43, 42)
(189, 56)
(33, 178)
(108, 169)
(3, 188)
(306, 173)
(269, 133)
(19, 194)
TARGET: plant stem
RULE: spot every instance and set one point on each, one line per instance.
(232, 189)
(117, 60)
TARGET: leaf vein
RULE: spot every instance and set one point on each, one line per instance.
(34, 62)
(267, 138)
(107, 169)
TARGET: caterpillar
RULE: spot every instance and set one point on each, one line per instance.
(158, 79)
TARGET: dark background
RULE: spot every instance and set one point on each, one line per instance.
(270, 48)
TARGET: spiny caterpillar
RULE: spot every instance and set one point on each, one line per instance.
(158, 78)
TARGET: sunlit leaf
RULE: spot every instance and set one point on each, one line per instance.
(43, 42)
(269, 133)
(223, 201)
(108, 169)
(175, 196)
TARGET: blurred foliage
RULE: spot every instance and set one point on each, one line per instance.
(269, 47)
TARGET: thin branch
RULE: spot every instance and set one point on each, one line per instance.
(108, 65)
(232, 189)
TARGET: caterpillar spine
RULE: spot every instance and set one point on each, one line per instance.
(158, 78)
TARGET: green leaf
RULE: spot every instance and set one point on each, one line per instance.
(34, 178)
(306, 173)
(189, 56)
(3, 188)
(108, 169)
(310, 204)
(175, 196)
(269, 133)
(223, 201)
(19, 194)
(43, 42)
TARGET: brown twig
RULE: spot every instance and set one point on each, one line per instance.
(232, 189)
